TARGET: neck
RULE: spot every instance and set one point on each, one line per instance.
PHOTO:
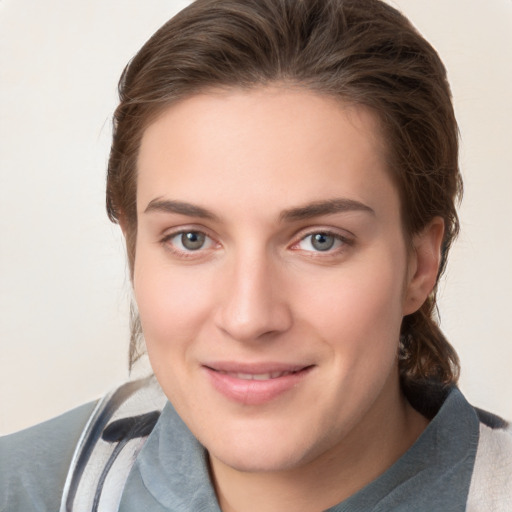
(386, 432)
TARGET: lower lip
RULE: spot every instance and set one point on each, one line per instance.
(254, 392)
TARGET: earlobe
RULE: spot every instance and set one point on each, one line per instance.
(129, 233)
(424, 264)
(122, 224)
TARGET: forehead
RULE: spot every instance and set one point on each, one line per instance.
(275, 145)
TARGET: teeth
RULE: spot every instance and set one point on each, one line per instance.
(262, 376)
(259, 376)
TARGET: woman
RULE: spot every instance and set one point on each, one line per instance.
(285, 175)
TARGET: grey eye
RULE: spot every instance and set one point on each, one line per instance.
(192, 240)
(322, 241)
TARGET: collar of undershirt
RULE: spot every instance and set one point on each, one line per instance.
(171, 472)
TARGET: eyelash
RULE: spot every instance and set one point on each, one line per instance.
(341, 242)
(186, 253)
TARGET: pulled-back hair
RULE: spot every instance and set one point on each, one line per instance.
(362, 52)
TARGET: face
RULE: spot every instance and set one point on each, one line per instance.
(271, 272)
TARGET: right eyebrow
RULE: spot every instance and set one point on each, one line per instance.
(179, 207)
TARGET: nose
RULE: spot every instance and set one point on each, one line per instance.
(253, 304)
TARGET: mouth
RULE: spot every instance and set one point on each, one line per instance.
(258, 376)
(255, 384)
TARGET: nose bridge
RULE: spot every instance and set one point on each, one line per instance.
(253, 305)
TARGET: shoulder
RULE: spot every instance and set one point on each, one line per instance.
(491, 483)
(35, 461)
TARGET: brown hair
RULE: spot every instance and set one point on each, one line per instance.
(360, 51)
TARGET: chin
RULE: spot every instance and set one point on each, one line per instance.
(262, 460)
(268, 451)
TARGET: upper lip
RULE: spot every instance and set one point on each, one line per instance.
(255, 368)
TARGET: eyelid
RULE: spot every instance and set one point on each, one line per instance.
(172, 233)
(345, 237)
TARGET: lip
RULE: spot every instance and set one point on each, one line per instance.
(255, 384)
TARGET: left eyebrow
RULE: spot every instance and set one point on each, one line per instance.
(327, 207)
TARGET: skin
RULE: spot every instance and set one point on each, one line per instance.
(243, 168)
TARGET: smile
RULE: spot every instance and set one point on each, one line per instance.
(258, 376)
(253, 384)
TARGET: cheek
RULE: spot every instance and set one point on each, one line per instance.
(358, 312)
(172, 303)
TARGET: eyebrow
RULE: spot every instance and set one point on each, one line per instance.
(315, 209)
(180, 207)
(327, 207)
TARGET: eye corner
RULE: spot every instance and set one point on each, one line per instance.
(322, 242)
(188, 242)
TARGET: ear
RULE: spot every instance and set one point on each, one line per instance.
(129, 238)
(424, 262)
(123, 223)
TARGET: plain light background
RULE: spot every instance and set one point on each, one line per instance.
(64, 290)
